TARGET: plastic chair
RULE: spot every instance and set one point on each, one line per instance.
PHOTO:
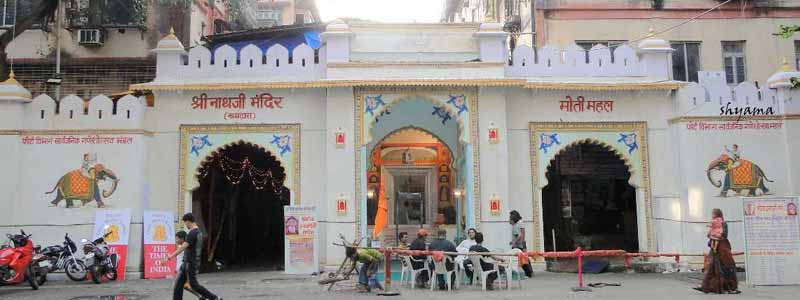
(440, 268)
(512, 266)
(479, 272)
(406, 269)
(415, 272)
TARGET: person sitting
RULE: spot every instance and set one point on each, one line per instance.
(370, 259)
(419, 244)
(442, 244)
(403, 240)
(486, 265)
(463, 247)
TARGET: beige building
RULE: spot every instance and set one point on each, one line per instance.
(269, 13)
(736, 38)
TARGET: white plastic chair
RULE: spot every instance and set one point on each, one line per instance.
(406, 269)
(512, 266)
(440, 268)
(479, 272)
(415, 272)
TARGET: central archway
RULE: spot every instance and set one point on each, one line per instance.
(240, 198)
(588, 201)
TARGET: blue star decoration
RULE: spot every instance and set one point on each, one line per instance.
(548, 140)
(283, 142)
(198, 143)
(442, 113)
(629, 140)
(459, 102)
(373, 103)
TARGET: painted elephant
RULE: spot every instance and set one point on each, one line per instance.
(744, 176)
(75, 185)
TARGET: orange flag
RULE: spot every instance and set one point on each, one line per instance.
(381, 218)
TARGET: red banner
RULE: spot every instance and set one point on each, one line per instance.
(153, 268)
(122, 257)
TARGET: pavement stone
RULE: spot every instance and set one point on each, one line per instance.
(276, 285)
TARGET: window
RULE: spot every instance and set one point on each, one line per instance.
(733, 59)
(587, 45)
(9, 13)
(797, 55)
(685, 61)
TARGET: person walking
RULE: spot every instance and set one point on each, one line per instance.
(720, 275)
(191, 249)
(518, 239)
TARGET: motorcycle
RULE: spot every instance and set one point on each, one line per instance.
(63, 257)
(15, 261)
(98, 261)
(41, 265)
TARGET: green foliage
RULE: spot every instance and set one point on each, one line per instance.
(140, 10)
(787, 31)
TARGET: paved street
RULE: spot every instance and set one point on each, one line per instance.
(276, 285)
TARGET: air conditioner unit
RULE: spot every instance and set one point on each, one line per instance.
(90, 37)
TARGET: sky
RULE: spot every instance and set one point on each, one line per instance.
(389, 11)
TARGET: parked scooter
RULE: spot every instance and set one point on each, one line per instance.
(62, 256)
(15, 261)
(98, 261)
(41, 265)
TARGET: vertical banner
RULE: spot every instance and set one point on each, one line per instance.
(159, 242)
(300, 229)
(772, 240)
(119, 225)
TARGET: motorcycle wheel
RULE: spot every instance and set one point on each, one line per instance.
(76, 271)
(30, 275)
(95, 272)
(41, 279)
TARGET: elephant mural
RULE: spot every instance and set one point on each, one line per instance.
(76, 185)
(744, 176)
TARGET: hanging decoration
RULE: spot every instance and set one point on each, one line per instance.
(341, 205)
(235, 171)
(493, 134)
(340, 138)
(494, 205)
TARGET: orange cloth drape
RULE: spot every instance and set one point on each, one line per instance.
(381, 218)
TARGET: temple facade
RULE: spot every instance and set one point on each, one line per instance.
(389, 128)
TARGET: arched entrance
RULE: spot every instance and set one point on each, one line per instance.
(588, 200)
(240, 198)
(418, 180)
(450, 114)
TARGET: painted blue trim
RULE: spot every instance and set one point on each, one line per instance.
(469, 190)
(363, 171)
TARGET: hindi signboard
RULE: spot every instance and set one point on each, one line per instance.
(300, 228)
(772, 240)
(159, 242)
(118, 223)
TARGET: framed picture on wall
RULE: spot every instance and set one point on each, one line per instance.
(443, 178)
(373, 179)
(443, 168)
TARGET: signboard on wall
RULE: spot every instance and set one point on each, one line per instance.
(159, 242)
(118, 223)
(772, 240)
(300, 228)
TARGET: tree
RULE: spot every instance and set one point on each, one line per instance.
(787, 32)
(41, 12)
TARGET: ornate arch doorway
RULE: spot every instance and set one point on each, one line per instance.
(588, 201)
(450, 115)
(610, 145)
(240, 198)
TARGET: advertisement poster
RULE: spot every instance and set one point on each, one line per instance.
(772, 240)
(119, 225)
(159, 242)
(300, 228)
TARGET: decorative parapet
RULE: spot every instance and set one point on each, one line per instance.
(72, 113)
(571, 62)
